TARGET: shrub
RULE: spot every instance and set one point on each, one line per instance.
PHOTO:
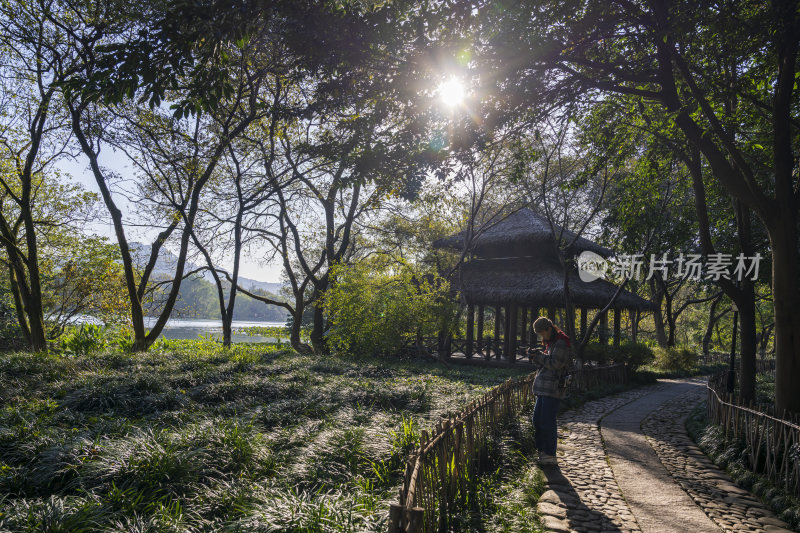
(634, 355)
(10, 333)
(376, 308)
(675, 359)
(85, 340)
(121, 337)
(600, 353)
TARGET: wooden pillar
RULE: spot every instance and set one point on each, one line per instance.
(551, 313)
(513, 314)
(616, 327)
(604, 328)
(480, 329)
(497, 312)
(470, 330)
(507, 331)
(584, 323)
(524, 329)
(534, 316)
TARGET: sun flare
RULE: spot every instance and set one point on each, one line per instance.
(451, 92)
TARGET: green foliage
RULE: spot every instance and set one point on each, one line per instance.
(375, 308)
(634, 355)
(122, 337)
(10, 334)
(503, 494)
(675, 358)
(279, 333)
(407, 438)
(84, 340)
(602, 354)
(84, 275)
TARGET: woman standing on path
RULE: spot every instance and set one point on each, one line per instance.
(549, 386)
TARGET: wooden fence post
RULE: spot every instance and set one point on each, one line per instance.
(415, 520)
(395, 515)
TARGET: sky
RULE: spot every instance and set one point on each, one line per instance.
(80, 172)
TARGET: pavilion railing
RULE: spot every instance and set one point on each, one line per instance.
(772, 443)
(438, 474)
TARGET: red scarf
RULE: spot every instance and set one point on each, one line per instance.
(559, 335)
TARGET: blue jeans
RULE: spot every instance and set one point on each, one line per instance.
(544, 424)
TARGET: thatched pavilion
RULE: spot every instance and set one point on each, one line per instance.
(515, 270)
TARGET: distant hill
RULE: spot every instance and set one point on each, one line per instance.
(198, 296)
(252, 284)
(165, 265)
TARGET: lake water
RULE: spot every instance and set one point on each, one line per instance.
(191, 328)
(185, 328)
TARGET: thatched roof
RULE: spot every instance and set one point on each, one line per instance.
(536, 283)
(524, 233)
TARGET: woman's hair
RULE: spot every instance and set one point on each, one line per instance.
(542, 323)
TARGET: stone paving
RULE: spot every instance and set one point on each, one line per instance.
(659, 504)
(584, 493)
(730, 507)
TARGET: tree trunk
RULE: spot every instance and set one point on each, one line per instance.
(670, 324)
(658, 317)
(763, 339)
(661, 333)
(27, 282)
(747, 363)
(297, 324)
(226, 331)
(227, 316)
(18, 306)
(318, 327)
(782, 221)
(140, 344)
(569, 307)
(712, 320)
(33, 300)
(787, 318)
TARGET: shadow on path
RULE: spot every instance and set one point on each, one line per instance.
(563, 511)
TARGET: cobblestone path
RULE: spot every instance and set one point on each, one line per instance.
(626, 464)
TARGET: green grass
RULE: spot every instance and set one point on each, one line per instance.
(190, 437)
(504, 496)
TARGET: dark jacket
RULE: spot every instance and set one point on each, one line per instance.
(554, 364)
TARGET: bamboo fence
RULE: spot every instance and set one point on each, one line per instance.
(764, 365)
(772, 444)
(438, 475)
